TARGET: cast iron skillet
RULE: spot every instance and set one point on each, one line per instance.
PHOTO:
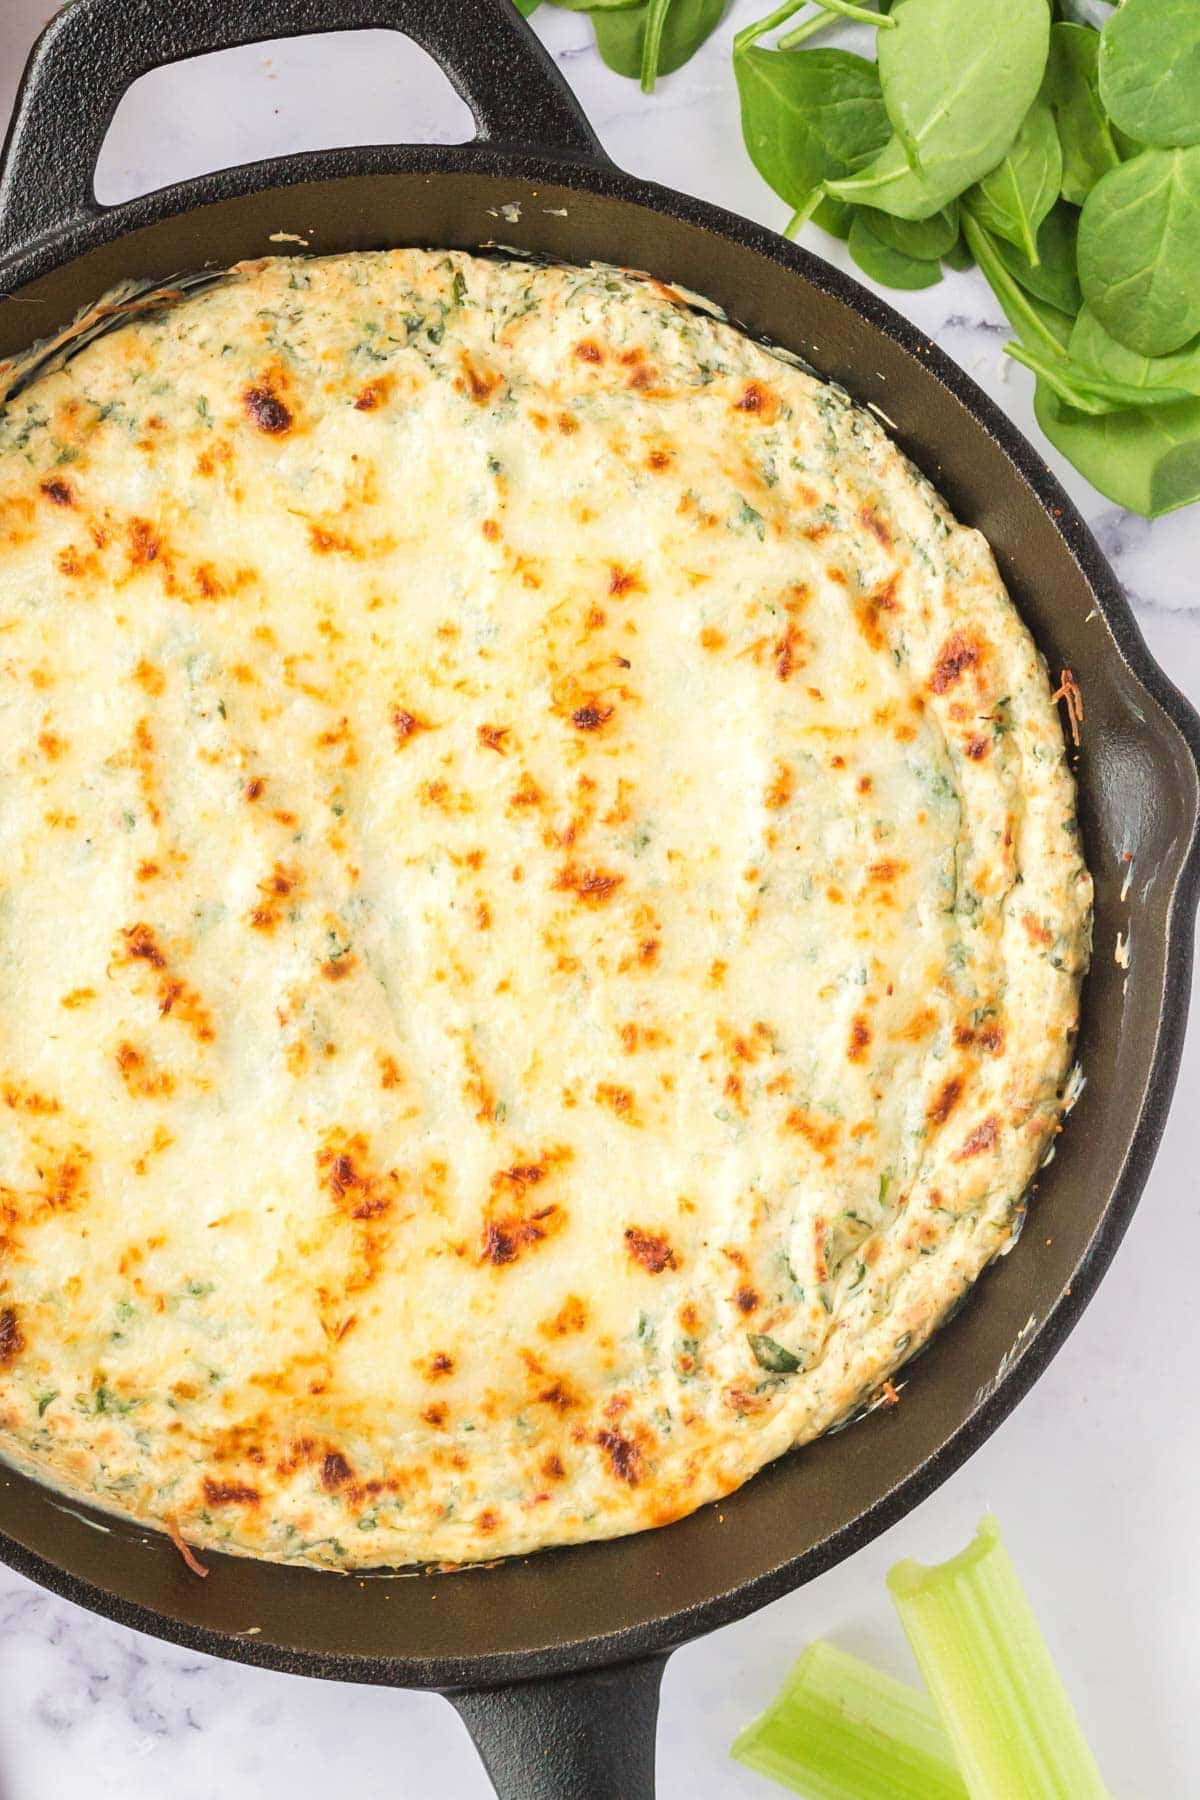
(554, 1661)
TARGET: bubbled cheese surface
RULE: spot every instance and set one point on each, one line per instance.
(541, 916)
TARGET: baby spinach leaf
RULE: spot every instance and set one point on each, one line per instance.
(1147, 458)
(772, 1356)
(884, 263)
(1071, 87)
(526, 7)
(1139, 250)
(808, 116)
(1150, 70)
(1013, 198)
(1053, 277)
(1040, 326)
(958, 78)
(1088, 393)
(1098, 354)
(587, 6)
(621, 34)
(835, 217)
(959, 255)
(924, 239)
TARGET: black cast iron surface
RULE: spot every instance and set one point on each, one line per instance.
(611, 1603)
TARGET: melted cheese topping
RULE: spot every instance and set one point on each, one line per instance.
(542, 914)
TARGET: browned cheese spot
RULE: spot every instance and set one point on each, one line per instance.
(509, 1226)
(958, 654)
(592, 717)
(1036, 931)
(142, 946)
(624, 1457)
(266, 410)
(481, 384)
(593, 887)
(141, 1079)
(230, 1493)
(821, 1138)
(373, 394)
(12, 1338)
(876, 526)
(570, 1319)
(947, 1098)
(783, 786)
(982, 1138)
(757, 399)
(504, 1239)
(650, 1249)
(868, 609)
(335, 1471)
(887, 870)
(619, 1100)
(406, 725)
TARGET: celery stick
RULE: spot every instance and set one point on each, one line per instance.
(989, 1671)
(839, 1730)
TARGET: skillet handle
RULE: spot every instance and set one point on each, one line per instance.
(93, 50)
(571, 1737)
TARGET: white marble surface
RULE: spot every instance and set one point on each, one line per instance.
(1094, 1477)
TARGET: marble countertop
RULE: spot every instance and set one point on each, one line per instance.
(1098, 1468)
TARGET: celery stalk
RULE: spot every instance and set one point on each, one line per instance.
(991, 1676)
(839, 1730)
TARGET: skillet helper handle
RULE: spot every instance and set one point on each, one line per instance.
(93, 50)
(571, 1737)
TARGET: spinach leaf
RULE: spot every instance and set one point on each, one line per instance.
(1087, 393)
(835, 217)
(1013, 198)
(1139, 250)
(1147, 459)
(1072, 89)
(1038, 325)
(958, 78)
(772, 1356)
(526, 7)
(1150, 70)
(924, 239)
(1053, 277)
(621, 33)
(959, 255)
(884, 263)
(808, 116)
(1097, 354)
(588, 6)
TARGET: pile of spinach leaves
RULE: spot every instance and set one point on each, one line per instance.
(1054, 144)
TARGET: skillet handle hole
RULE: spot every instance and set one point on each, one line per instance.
(263, 100)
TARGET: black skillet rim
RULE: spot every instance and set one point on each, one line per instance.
(659, 1636)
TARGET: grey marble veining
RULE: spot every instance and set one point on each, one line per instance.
(1093, 1477)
